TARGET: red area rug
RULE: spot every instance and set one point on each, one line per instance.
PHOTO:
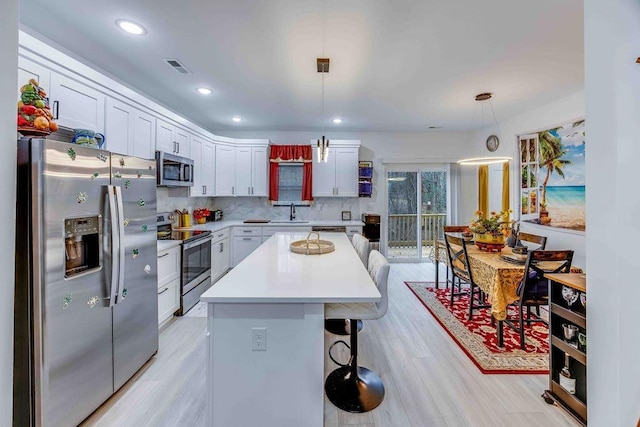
(478, 339)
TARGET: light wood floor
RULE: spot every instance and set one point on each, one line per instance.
(428, 380)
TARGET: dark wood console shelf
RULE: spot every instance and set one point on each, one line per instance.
(560, 313)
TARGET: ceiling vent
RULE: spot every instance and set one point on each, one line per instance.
(176, 65)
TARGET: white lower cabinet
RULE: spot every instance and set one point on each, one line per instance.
(220, 254)
(351, 230)
(245, 241)
(168, 300)
(168, 282)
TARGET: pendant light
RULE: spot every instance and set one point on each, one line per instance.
(323, 145)
(487, 160)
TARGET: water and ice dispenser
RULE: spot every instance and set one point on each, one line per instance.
(82, 245)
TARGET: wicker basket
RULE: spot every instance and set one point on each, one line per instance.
(312, 246)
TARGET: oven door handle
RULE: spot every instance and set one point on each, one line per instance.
(197, 242)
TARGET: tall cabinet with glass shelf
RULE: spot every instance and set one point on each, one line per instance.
(568, 344)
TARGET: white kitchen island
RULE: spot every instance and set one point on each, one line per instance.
(266, 332)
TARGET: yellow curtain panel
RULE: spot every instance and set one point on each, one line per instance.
(483, 190)
(505, 187)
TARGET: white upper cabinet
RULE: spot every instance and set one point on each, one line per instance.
(164, 137)
(129, 130)
(144, 135)
(208, 168)
(346, 172)
(172, 139)
(118, 127)
(76, 105)
(30, 70)
(260, 171)
(243, 171)
(225, 174)
(251, 170)
(183, 140)
(338, 177)
(203, 153)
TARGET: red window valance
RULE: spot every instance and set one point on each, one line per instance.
(290, 153)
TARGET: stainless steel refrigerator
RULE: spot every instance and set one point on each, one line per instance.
(86, 308)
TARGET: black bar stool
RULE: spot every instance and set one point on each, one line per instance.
(354, 388)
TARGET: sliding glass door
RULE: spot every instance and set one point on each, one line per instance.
(417, 208)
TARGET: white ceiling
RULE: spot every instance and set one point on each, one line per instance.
(399, 65)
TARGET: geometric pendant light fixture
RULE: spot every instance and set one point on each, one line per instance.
(323, 145)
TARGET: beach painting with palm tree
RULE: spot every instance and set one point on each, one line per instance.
(561, 176)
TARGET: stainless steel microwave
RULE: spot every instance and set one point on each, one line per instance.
(173, 171)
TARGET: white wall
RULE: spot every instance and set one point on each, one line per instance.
(612, 87)
(8, 83)
(561, 111)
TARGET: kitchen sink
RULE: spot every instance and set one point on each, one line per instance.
(288, 222)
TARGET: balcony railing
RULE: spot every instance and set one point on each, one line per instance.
(402, 229)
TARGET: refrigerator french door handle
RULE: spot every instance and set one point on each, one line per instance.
(121, 246)
(115, 245)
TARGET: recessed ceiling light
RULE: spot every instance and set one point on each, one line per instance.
(236, 119)
(204, 90)
(131, 27)
(337, 120)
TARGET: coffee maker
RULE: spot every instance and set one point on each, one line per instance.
(371, 228)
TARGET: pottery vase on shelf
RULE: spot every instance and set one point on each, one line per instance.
(201, 220)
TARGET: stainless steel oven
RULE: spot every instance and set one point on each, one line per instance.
(196, 270)
(195, 274)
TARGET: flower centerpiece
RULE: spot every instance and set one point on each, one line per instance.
(490, 229)
(201, 215)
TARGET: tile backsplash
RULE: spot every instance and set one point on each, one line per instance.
(241, 208)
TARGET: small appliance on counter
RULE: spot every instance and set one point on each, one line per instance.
(216, 215)
(371, 228)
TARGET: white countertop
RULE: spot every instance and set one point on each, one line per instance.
(273, 274)
(219, 225)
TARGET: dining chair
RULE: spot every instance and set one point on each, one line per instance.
(342, 326)
(533, 290)
(351, 387)
(534, 238)
(451, 229)
(461, 270)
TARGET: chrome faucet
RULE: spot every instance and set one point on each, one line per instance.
(292, 212)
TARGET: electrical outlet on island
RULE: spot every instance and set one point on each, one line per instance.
(258, 339)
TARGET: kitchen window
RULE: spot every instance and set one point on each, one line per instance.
(290, 175)
(290, 184)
